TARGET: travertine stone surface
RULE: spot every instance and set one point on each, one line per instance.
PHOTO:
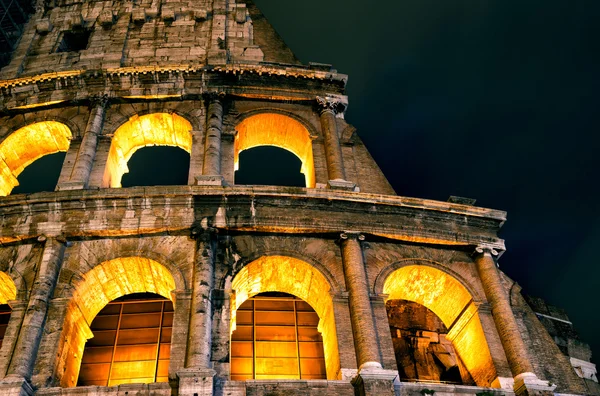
(213, 78)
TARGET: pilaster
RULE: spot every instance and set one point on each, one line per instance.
(181, 325)
(526, 382)
(371, 379)
(211, 167)
(33, 323)
(82, 169)
(328, 108)
(201, 316)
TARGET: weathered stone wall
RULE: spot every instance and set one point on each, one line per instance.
(213, 65)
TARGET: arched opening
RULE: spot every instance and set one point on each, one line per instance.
(99, 287)
(42, 175)
(157, 166)
(26, 145)
(452, 303)
(276, 337)
(309, 288)
(8, 291)
(270, 166)
(272, 129)
(423, 353)
(156, 129)
(131, 342)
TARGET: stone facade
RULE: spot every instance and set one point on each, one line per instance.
(100, 80)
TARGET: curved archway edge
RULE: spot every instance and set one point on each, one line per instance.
(450, 300)
(296, 277)
(105, 282)
(27, 144)
(154, 129)
(278, 130)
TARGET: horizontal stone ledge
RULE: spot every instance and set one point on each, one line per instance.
(254, 192)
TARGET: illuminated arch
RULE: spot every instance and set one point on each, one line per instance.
(296, 277)
(28, 144)
(156, 129)
(8, 290)
(105, 282)
(453, 304)
(272, 129)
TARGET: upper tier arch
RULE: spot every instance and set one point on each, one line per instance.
(27, 144)
(155, 129)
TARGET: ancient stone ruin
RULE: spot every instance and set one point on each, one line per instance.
(208, 287)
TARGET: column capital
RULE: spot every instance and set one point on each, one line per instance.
(352, 235)
(214, 96)
(331, 104)
(483, 249)
(100, 100)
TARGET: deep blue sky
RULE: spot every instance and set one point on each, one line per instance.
(494, 100)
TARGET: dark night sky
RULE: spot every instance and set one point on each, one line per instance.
(493, 100)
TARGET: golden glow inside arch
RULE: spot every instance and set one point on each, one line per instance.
(8, 290)
(28, 144)
(272, 129)
(296, 277)
(156, 129)
(452, 302)
(106, 282)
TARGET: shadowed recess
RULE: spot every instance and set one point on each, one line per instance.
(26, 145)
(156, 129)
(269, 166)
(270, 129)
(300, 279)
(41, 175)
(104, 283)
(157, 166)
(453, 304)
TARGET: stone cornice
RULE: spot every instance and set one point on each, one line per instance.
(246, 209)
(234, 69)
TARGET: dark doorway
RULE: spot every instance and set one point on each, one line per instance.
(270, 166)
(157, 166)
(41, 175)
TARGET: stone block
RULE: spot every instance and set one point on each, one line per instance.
(200, 14)
(138, 15)
(106, 19)
(44, 26)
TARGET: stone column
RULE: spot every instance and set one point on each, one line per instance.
(211, 167)
(35, 317)
(328, 108)
(82, 169)
(526, 382)
(12, 332)
(372, 379)
(201, 316)
(197, 378)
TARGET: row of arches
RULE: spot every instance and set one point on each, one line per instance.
(122, 313)
(269, 148)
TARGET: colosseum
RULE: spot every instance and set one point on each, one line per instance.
(206, 286)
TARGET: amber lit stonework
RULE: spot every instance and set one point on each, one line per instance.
(26, 145)
(295, 277)
(156, 129)
(271, 129)
(103, 284)
(453, 304)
